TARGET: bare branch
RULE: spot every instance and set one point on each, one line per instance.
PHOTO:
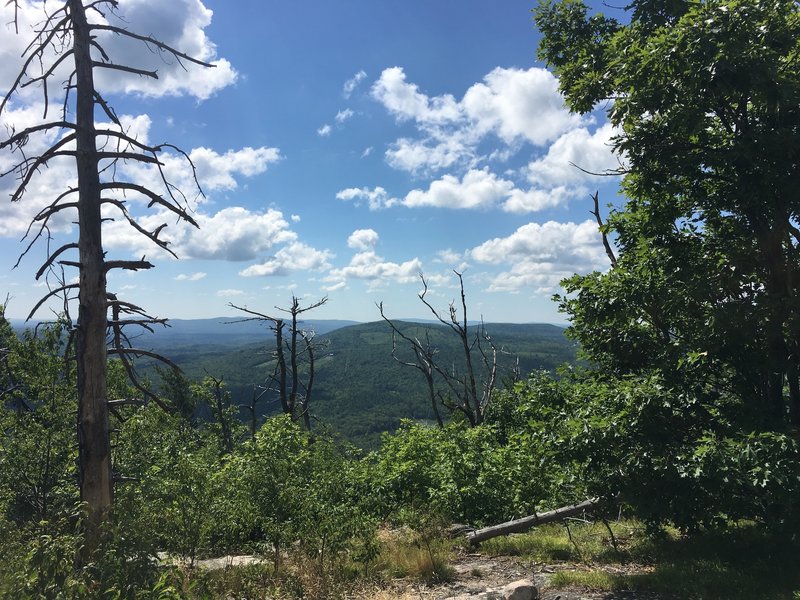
(53, 256)
(130, 265)
(602, 228)
(152, 42)
(126, 69)
(28, 167)
(50, 294)
(38, 47)
(425, 363)
(154, 199)
(607, 173)
(151, 235)
(21, 137)
(110, 113)
(137, 352)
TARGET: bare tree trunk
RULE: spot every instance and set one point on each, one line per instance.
(293, 402)
(293, 359)
(93, 424)
(306, 402)
(472, 392)
(525, 523)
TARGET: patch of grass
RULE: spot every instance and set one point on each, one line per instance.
(546, 546)
(590, 580)
(552, 543)
(740, 563)
(249, 581)
(404, 555)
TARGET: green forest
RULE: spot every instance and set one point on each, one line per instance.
(359, 391)
(679, 420)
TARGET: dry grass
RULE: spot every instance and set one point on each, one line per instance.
(406, 554)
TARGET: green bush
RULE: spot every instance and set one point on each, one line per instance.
(477, 475)
(671, 455)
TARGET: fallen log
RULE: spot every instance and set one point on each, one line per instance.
(525, 523)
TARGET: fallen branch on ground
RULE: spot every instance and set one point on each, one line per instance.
(525, 523)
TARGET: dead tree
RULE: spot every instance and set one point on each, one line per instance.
(468, 391)
(424, 354)
(220, 403)
(526, 523)
(286, 380)
(603, 229)
(66, 40)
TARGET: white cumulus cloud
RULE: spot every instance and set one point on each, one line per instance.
(369, 266)
(232, 234)
(376, 198)
(363, 239)
(217, 171)
(432, 153)
(576, 148)
(180, 24)
(405, 101)
(516, 103)
(191, 277)
(477, 189)
(536, 199)
(295, 256)
(539, 256)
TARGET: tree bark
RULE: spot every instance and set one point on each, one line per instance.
(525, 523)
(93, 425)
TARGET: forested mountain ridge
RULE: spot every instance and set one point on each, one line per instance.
(359, 390)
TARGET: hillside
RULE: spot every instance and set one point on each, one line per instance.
(360, 391)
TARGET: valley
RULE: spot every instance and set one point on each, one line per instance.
(360, 391)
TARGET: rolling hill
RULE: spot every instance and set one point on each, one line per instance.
(359, 390)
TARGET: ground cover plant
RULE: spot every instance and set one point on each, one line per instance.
(741, 561)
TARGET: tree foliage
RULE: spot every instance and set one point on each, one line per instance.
(692, 334)
(705, 98)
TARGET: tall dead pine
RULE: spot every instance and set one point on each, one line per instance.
(67, 41)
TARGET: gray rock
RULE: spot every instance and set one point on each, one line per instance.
(522, 589)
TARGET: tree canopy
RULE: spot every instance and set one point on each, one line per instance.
(705, 99)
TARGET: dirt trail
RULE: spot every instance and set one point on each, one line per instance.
(476, 573)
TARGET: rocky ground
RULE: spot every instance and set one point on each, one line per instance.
(478, 577)
(484, 577)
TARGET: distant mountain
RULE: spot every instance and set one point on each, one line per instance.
(209, 333)
(224, 331)
(359, 390)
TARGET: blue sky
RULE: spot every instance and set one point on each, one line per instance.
(343, 149)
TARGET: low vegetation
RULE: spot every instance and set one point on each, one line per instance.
(323, 519)
(739, 562)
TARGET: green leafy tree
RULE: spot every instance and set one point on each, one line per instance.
(37, 458)
(172, 467)
(692, 334)
(706, 100)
